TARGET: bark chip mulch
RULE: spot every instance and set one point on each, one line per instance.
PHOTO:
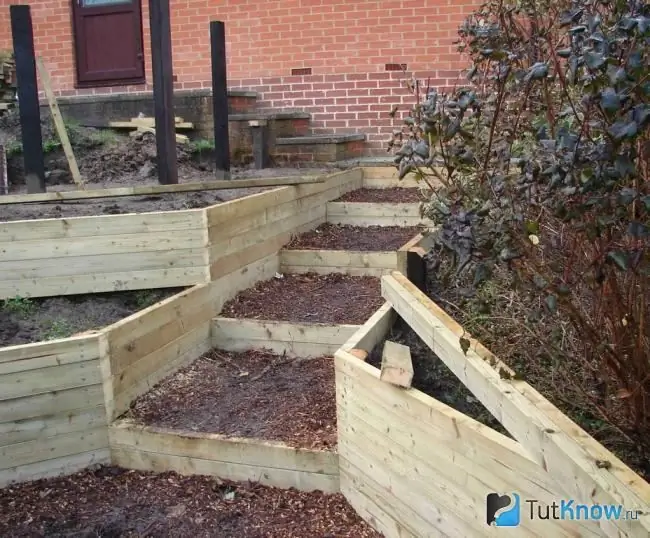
(256, 394)
(111, 502)
(360, 238)
(395, 195)
(309, 298)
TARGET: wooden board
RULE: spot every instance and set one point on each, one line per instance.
(296, 339)
(555, 443)
(142, 190)
(375, 214)
(413, 466)
(270, 463)
(381, 177)
(355, 263)
(52, 409)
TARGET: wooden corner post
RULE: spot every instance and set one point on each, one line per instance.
(220, 99)
(163, 91)
(28, 106)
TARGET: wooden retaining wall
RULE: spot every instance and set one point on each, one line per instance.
(375, 214)
(43, 258)
(271, 463)
(412, 466)
(52, 412)
(296, 339)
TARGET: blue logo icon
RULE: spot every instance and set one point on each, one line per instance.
(503, 510)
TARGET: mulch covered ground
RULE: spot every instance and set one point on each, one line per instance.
(110, 502)
(360, 238)
(309, 298)
(23, 321)
(255, 394)
(395, 195)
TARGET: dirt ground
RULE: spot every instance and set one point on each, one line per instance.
(431, 376)
(309, 298)
(108, 159)
(256, 394)
(109, 502)
(360, 238)
(23, 321)
(394, 195)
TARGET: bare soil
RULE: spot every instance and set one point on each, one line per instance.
(23, 321)
(111, 502)
(360, 238)
(434, 378)
(108, 159)
(394, 195)
(255, 394)
(309, 298)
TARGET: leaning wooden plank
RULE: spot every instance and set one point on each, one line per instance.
(58, 123)
(557, 444)
(141, 190)
(396, 365)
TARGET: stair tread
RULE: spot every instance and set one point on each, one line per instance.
(320, 139)
(248, 116)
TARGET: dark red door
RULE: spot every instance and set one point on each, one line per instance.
(108, 42)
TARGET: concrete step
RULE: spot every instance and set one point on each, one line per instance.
(319, 147)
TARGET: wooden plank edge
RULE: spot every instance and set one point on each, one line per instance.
(141, 190)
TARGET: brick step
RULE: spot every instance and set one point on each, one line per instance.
(280, 124)
(319, 147)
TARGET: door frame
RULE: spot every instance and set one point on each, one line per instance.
(76, 42)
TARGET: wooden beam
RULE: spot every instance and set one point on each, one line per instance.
(58, 123)
(4, 174)
(30, 113)
(220, 99)
(554, 442)
(163, 91)
(144, 190)
(396, 365)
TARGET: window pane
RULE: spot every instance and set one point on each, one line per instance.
(94, 3)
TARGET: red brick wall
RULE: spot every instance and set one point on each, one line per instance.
(346, 44)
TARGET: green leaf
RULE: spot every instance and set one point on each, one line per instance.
(464, 344)
(551, 303)
(646, 202)
(532, 227)
(564, 53)
(619, 258)
(594, 60)
(623, 129)
(638, 230)
(537, 71)
(610, 100)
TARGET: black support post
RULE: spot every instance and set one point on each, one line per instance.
(30, 113)
(220, 99)
(163, 91)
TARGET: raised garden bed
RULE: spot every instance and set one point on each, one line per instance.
(113, 502)
(357, 251)
(355, 238)
(25, 321)
(252, 394)
(389, 195)
(452, 461)
(306, 298)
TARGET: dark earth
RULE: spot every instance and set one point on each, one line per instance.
(255, 394)
(360, 238)
(23, 321)
(394, 195)
(309, 298)
(109, 159)
(109, 502)
(431, 376)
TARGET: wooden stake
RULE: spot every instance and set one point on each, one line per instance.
(396, 365)
(58, 123)
(220, 99)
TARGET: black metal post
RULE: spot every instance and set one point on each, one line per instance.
(163, 91)
(220, 99)
(30, 112)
